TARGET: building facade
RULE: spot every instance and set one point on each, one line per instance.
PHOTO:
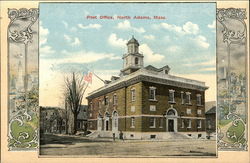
(60, 120)
(147, 102)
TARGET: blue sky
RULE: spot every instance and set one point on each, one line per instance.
(185, 40)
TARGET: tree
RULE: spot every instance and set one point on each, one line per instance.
(75, 89)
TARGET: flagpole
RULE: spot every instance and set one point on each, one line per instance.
(99, 78)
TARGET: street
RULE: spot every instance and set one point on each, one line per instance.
(105, 147)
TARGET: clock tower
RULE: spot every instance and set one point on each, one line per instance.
(132, 60)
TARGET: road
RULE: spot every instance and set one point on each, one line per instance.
(65, 145)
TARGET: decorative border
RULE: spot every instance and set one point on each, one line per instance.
(231, 80)
(22, 88)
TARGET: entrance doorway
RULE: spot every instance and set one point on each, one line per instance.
(171, 120)
(115, 122)
(170, 125)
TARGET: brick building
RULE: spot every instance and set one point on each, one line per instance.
(147, 102)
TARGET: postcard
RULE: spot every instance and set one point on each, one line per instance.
(148, 81)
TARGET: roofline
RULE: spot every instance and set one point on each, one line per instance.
(139, 77)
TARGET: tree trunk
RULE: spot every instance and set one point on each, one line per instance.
(75, 123)
(66, 126)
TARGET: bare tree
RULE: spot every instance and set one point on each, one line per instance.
(75, 89)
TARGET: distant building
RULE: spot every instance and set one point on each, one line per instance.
(82, 118)
(58, 120)
(52, 120)
(147, 102)
(211, 120)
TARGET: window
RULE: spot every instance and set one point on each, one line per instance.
(160, 122)
(152, 93)
(182, 98)
(189, 123)
(152, 108)
(171, 95)
(152, 122)
(198, 99)
(106, 100)
(90, 114)
(199, 111)
(115, 99)
(132, 94)
(188, 98)
(132, 108)
(136, 61)
(132, 122)
(91, 105)
(198, 123)
(188, 111)
(78, 125)
(171, 112)
(182, 123)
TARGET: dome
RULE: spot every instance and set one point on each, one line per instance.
(133, 41)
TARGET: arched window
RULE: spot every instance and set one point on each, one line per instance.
(136, 61)
(171, 112)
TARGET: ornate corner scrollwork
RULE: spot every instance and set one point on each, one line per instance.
(232, 109)
(23, 111)
(23, 35)
(230, 35)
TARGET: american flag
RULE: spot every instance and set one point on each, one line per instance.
(88, 77)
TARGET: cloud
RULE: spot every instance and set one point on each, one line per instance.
(187, 28)
(43, 34)
(173, 48)
(84, 56)
(201, 41)
(90, 26)
(207, 69)
(149, 55)
(211, 62)
(73, 29)
(191, 28)
(46, 50)
(212, 26)
(149, 37)
(67, 37)
(117, 42)
(73, 41)
(66, 25)
(127, 26)
(76, 41)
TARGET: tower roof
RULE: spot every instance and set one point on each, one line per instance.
(133, 41)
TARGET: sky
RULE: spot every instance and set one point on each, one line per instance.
(68, 41)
